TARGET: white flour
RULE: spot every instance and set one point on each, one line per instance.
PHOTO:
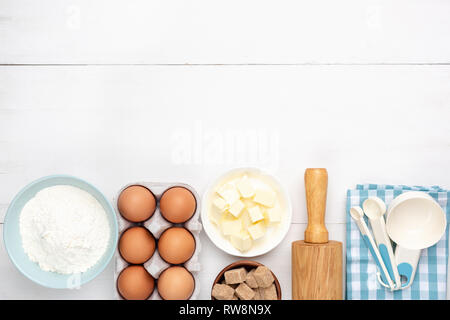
(64, 229)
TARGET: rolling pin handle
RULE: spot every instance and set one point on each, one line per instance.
(316, 184)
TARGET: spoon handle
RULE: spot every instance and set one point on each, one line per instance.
(385, 247)
(407, 261)
(370, 243)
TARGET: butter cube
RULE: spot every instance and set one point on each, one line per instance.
(255, 214)
(246, 220)
(231, 227)
(249, 203)
(243, 242)
(220, 203)
(273, 215)
(265, 197)
(258, 230)
(226, 216)
(215, 216)
(229, 193)
(245, 187)
(236, 208)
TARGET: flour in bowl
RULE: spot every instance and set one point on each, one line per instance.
(64, 229)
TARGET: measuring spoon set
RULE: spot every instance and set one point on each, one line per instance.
(414, 221)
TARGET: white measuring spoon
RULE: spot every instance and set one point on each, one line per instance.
(374, 209)
(357, 214)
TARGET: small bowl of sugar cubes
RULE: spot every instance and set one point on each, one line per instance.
(246, 280)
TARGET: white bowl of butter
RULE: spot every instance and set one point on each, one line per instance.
(246, 212)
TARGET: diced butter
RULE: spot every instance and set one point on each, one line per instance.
(236, 208)
(245, 187)
(242, 208)
(255, 214)
(227, 216)
(215, 216)
(220, 203)
(265, 197)
(248, 203)
(273, 215)
(229, 193)
(256, 231)
(243, 242)
(231, 227)
(246, 221)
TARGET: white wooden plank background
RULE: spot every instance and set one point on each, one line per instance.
(99, 89)
(218, 32)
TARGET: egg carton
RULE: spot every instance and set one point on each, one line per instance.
(157, 224)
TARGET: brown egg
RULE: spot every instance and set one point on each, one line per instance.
(176, 283)
(136, 203)
(135, 283)
(176, 245)
(177, 204)
(136, 245)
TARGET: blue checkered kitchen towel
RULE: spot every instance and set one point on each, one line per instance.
(430, 281)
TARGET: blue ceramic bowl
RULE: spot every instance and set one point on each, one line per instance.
(13, 241)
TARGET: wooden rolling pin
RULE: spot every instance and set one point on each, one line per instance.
(316, 262)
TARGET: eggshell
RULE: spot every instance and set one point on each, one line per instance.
(136, 245)
(135, 283)
(176, 245)
(177, 204)
(176, 283)
(136, 203)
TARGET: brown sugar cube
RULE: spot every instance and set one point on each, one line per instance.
(263, 277)
(222, 292)
(270, 293)
(250, 279)
(234, 286)
(244, 292)
(235, 276)
(261, 293)
(257, 294)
